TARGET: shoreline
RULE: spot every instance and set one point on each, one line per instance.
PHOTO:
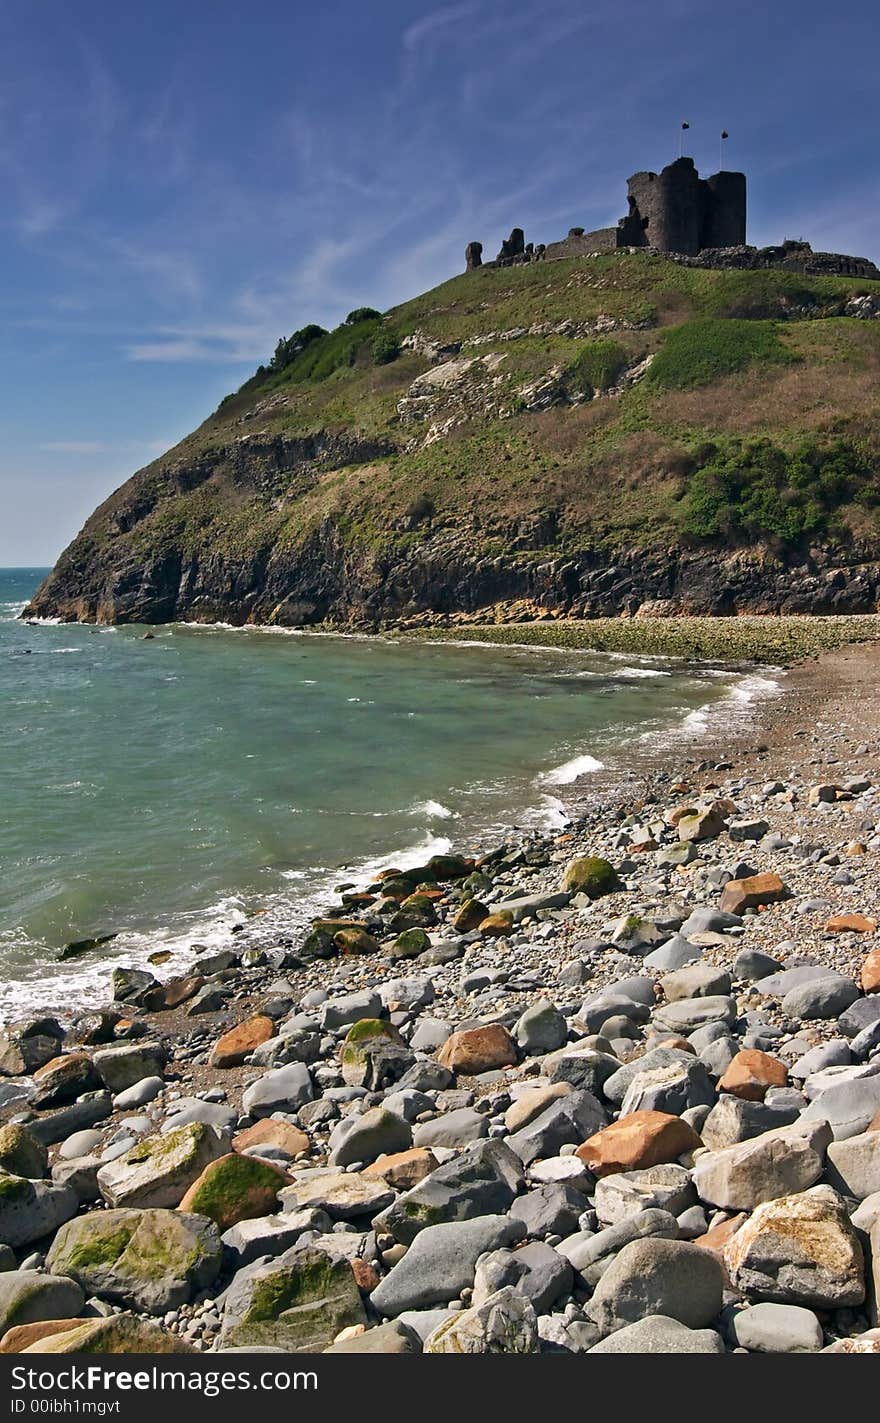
(555, 800)
(289, 1021)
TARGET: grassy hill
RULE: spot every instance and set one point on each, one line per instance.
(578, 437)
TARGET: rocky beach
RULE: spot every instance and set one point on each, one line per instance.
(610, 1089)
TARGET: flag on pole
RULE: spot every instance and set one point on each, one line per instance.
(724, 135)
(684, 125)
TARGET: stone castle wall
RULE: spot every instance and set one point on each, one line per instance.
(698, 221)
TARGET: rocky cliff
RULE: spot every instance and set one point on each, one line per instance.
(617, 433)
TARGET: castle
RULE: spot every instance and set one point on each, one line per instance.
(698, 221)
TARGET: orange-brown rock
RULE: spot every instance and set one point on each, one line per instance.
(749, 893)
(469, 916)
(870, 972)
(478, 1050)
(403, 1169)
(717, 1237)
(856, 847)
(234, 1046)
(270, 1132)
(365, 1276)
(750, 1073)
(850, 924)
(21, 1336)
(637, 1141)
(874, 1123)
(497, 926)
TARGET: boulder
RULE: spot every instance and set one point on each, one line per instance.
(298, 1303)
(235, 1188)
(375, 1132)
(775, 1164)
(392, 1337)
(21, 1153)
(482, 1180)
(150, 1260)
(658, 1276)
(118, 1334)
(637, 1141)
(284, 1090)
(854, 1165)
(344, 1195)
(30, 1209)
(751, 1073)
(158, 1170)
(752, 891)
(477, 1050)
(271, 1132)
(825, 997)
(441, 1262)
(239, 1042)
(540, 1029)
(799, 1249)
(685, 1015)
(590, 875)
(776, 1329)
(504, 1323)
(30, 1297)
(658, 1334)
(627, 1193)
(122, 1066)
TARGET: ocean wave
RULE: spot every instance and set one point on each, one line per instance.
(571, 771)
(433, 809)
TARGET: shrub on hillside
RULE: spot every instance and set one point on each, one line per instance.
(595, 367)
(384, 347)
(751, 489)
(700, 351)
(362, 313)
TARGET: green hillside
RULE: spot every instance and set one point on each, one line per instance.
(576, 410)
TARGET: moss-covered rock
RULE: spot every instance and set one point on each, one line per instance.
(235, 1188)
(355, 941)
(360, 1039)
(120, 1334)
(21, 1153)
(299, 1306)
(410, 943)
(27, 1296)
(160, 1169)
(590, 875)
(150, 1260)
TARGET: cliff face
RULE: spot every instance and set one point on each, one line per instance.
(582, 438)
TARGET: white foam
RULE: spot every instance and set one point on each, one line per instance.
(433, 809)
(571, 771)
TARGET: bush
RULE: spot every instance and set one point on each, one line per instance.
(596, 367)
(362, 313)
(289, 347)
(332, 351)
(746, 490)
(385, 347)
(700, 351)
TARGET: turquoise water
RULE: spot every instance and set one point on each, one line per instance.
(162, 788)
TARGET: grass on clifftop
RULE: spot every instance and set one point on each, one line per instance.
(744, 639)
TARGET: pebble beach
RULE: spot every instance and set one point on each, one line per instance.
(613, 1088)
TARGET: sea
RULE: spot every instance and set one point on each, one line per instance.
(168, 789)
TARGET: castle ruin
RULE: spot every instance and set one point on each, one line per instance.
(694, 220)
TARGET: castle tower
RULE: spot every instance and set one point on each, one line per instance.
(678, 211)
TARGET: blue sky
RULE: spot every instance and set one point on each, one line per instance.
(184, 182)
